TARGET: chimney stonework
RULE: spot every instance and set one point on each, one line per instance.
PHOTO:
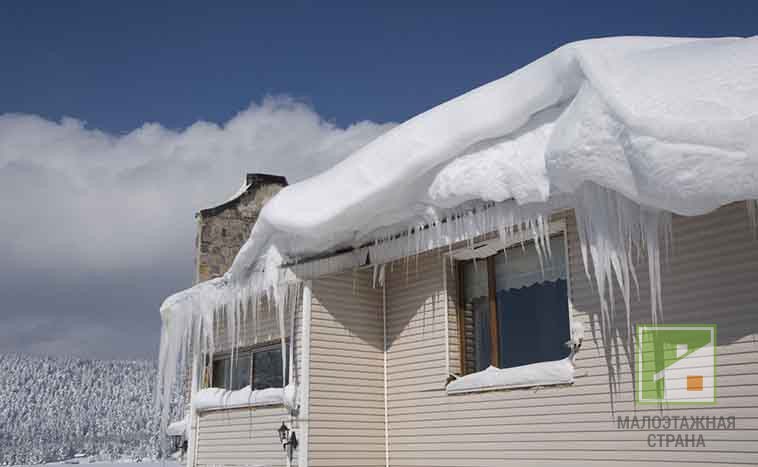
(223, 229)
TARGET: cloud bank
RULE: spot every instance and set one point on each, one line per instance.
(96, 228)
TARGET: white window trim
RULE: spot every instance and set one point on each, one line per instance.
(553, 373)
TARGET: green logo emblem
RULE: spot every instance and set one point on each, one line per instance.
(676, 364)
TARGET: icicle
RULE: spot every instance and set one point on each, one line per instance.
(752, 213)
(192, 319)
(610, 226)
(375, 271)
(382, 272)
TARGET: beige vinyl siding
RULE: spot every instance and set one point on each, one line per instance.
(347, 371)
(245, 436)
(711, 278)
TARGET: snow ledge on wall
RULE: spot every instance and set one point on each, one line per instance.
(218, 398)
(534, 374)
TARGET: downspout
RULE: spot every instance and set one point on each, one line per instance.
(193, 419)
(291, 381)
(386, 411)
(305, 383)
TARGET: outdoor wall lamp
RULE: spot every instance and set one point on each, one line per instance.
(288, 439)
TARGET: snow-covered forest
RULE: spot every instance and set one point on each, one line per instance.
(52, 408)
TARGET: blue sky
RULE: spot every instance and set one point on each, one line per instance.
(96, 210)
(119, 64)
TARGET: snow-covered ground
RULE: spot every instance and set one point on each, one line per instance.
(52, 408)
(125, 463)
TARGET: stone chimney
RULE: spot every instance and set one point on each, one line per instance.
(223, 229)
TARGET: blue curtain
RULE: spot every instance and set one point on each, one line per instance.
(533, 323)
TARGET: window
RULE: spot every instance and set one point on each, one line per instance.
(259, 367)
(514, 308)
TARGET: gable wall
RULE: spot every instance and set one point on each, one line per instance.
(712, 277)
(347, 372)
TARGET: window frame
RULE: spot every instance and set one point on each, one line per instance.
(490, 248)
(250, 350)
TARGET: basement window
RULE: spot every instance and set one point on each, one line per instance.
(258, 367)
(515, 314)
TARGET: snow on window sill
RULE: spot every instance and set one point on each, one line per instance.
(535, 374)
(218, 398)
(177, 428)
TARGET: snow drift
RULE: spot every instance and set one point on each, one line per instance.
(627, 129)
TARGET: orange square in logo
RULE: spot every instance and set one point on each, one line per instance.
(694, 383)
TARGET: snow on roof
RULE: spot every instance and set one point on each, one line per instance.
(669, 123)
(251, 179)
(630, 129)
(240, 191)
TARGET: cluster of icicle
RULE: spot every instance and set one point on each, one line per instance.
(509, 219)
(613, 232)
(191, 322)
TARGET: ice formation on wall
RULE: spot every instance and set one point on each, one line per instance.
(626, 130)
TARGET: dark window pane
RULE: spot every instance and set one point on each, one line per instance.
(220, 374)
(267, 369)
(231, 373)
(532, 305)
(482, 335)
(241, 371)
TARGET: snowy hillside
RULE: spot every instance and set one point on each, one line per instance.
(52, 408)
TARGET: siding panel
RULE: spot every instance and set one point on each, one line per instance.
(347, 372)
(241, 437)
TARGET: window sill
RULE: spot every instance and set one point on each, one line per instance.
(536, 374)
(218, 398)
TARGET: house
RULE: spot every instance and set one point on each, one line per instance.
(454, 308)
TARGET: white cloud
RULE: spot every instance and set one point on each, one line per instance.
(96, 228)
(77, 197)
